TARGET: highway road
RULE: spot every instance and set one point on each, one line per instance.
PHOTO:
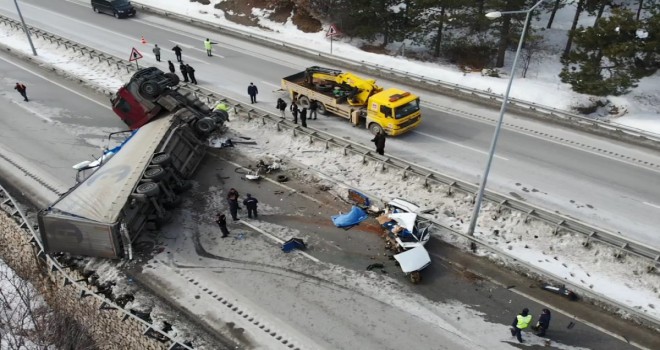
(67, 117)
(606, 183)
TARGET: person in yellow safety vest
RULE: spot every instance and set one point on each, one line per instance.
(521, 322)
(208, 46)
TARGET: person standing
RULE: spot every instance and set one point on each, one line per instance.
(519, 323)
(177, 51)
(281, 106)
(184, 72)
(170, 65)
(252, 91)
(294, 111)
(156, 51)
(251, 205)
(221, 220)
(232, 201)
(313, 106)
(208, 45)
(543, 323)
(303, 117)
(191, 74)
(379, 140)
(22, 89)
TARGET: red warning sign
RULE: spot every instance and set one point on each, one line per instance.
(135, 55)
(332, 31)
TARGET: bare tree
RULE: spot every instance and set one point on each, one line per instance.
(532, 46)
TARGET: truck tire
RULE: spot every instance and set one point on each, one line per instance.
(156, 173)
(174, 79)
(374, 128)
(205, 125)
(149, 189)
(323, 87)
(220, 116)
(303, 102)
(162, 159)
(320, 107)
(150, 88)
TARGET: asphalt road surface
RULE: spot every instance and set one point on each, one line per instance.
(444, 281)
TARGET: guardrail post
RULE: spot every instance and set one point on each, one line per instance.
(587, 242)
(528, 216)
(405, 172)
(622, 252)
(346, 151)
(555, 231)
(500, 205)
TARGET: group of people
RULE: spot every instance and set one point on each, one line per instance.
(523, 320)
(296, 111)
(232, 201)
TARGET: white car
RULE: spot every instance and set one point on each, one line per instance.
(416, 230)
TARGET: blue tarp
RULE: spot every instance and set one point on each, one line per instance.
(352, 218)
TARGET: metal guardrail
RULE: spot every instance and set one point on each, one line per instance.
(547, 113)
(58, 272)
(621, 244)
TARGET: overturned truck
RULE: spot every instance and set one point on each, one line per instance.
(134, 189)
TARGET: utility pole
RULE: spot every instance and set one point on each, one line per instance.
(25, 28)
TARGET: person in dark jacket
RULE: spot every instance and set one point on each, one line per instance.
(170, 65)
(221, 220)
(294, 111)
(281, 106)
(251, 205)
(252, 91)
(521, 322)
(191, 74)
(303, 117)
(177, 51)
(22, 89)
(313, 106)
(543, 323)
(379, 140)
(156, 52)
(232, 201)
(184, 72)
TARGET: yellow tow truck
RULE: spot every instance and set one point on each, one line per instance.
(359, 100)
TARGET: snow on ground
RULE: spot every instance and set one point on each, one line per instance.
(542, 84)
(15, 314)
(626, 282)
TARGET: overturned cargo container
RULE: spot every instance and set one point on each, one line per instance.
(104, 214)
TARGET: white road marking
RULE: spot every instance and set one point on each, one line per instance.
(277, 240)
(652, 205)
(271, 84)
(456, 144)
(194, 48)
(104, 105)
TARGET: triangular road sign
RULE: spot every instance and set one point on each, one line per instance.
(135, 55)
(332, 31)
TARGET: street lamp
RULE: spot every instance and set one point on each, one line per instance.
(493, 144)
(25, 28)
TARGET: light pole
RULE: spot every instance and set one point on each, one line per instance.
(25, 28)
(493, 144)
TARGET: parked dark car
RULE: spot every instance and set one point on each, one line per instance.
(117, 8)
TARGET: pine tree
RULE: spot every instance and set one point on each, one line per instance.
(611, 58)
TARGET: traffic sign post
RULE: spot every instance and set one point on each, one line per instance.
(135, 56)
(332, 31)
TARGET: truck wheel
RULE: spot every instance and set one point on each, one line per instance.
(174, 79)
(303, 102)
(220, 116)
(150, 88)
(323, 87)
(205, 125)
(95, 9)
(156, 173)
(374, 128)
(162, 159)
(320, 107)
(415, 277)
(149, 189)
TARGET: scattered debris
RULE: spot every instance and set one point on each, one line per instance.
(293, 243)
(561, 290)
(375, 266)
